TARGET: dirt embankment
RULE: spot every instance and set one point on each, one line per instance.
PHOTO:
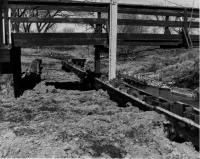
(60, 119)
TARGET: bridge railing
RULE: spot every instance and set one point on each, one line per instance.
(49, 39)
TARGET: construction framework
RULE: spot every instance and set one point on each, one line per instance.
(11, 42)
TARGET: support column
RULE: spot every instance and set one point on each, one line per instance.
(15, 57)
(188, 41)
(98, 47)
(112, 39)
(6, 23)
(167, 31)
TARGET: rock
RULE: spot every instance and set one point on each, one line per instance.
(50, 88)
(9, 134)
(17, 150)
(67, 147)
(122, 136)
(6, 152)
(41, 88)
(76, 139)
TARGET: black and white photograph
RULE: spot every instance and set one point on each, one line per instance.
(99, 79)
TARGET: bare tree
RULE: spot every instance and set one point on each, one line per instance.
(41, 27)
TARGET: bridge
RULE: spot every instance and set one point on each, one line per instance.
(103, 40)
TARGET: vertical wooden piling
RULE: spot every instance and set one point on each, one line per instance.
(167, 31)
(15, 57)
(112, 39)
(6, 22)
(98, 47)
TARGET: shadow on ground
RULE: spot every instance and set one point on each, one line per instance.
(81, 86)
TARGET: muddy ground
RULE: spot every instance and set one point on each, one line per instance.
(60, 118)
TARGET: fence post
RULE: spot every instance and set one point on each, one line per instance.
(15, 57)
(186, 37)
(6, 22)
(97, 62)
(112, 39)
(167, 31)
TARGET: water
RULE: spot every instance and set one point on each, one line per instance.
(166, 94)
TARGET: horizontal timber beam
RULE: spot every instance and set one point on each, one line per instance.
(58, 42)
(59, 39)
(98, 4)
(139, 11)
(96, 35)
(103, 21)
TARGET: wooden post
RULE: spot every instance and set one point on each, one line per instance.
(6, 22)
(186, 37)
(185, 19)
(97, 62)
(9, 26)
(167, 31)
(97, 47)
(112, 39)
(15, 57)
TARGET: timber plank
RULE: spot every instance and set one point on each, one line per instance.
(123, 36)
(62, 8)
(134, 22)
(60, 20)
(58, 42)
(58, 39)
(105, 9)
(98, 4)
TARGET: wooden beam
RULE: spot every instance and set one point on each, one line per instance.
(60, 20)
(167, 31)
(15, 56)
(97, 62)
(134, 22)
(156, 23)
(98, 4)
(56, 3)
(156, 7)
(58, 39)
(6, 23)
(59, 42)
(195, 37)
(4, 54)
(105, 9)
(113, 39)
(90, 36)
(155, 12)
(61, 8)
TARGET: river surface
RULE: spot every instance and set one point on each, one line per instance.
(166, 94)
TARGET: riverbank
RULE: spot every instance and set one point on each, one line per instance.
(60, 119)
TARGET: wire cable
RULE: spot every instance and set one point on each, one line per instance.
(174, 3)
